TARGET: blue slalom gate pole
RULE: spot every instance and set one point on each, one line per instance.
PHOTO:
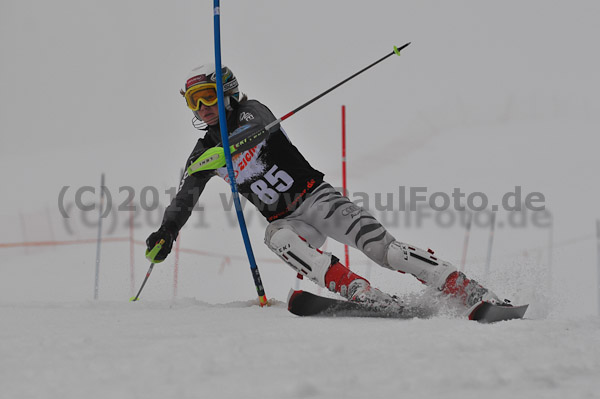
(225, 139)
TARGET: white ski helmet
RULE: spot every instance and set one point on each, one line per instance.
(204, 75)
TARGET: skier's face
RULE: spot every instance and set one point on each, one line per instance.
(209, 115)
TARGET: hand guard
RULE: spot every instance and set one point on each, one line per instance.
(161, 234)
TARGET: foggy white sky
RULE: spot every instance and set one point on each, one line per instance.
(89, 87)
(77, 75)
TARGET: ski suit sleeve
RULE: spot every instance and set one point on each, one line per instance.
(190, 188)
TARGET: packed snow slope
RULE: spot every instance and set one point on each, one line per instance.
(191, 349)
(488, 98)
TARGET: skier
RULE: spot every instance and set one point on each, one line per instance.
(302, 209)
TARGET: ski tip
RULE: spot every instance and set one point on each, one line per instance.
(291, 295)
(473, 310)
(487, 312)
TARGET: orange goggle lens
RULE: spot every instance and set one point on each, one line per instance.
(205, 94)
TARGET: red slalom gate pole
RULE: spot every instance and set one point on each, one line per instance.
(344, 185)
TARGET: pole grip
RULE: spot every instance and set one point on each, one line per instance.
(150, 255)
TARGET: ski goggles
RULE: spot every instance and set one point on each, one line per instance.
(205, 93)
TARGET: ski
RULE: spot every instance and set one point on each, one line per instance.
(303, 303)
(486, 312)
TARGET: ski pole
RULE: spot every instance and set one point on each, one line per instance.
(306, 104)
(150, 255)
(249, 135)
(225, 139)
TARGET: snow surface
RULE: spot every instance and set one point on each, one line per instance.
(191, 349)
(488, 96)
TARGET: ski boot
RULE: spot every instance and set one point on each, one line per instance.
(469, 292)
(357, 289)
